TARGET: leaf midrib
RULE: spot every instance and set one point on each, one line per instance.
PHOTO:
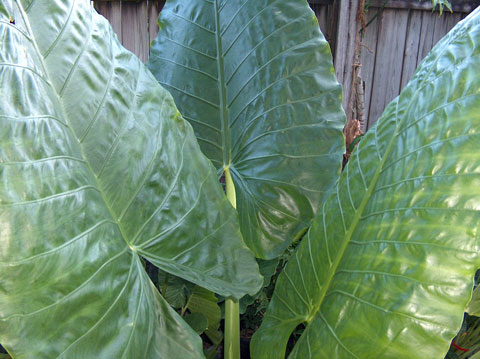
(222, 91)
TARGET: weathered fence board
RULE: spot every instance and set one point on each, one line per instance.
(388, 65)
(135, 28)
(326, 12)
(399, 38)
(412, 44)
(368, 67)
(345, 45)
(464, 6)
(112, 10)
(134, 22)
(154, 8)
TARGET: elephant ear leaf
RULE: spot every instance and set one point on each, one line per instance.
(256, 81)
(97, 170)
(387, 268)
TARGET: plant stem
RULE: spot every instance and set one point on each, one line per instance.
(232, 310)
(231, 195)
(184, 309)
(232, 330)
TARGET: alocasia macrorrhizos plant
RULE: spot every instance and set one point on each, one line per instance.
(255, 79)
(387, 268)
(97, 170)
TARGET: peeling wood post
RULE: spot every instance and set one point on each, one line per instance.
(353, 105)
(345, 47)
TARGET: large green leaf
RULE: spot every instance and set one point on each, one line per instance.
(98, 169)
(256, 81)
(387, 268)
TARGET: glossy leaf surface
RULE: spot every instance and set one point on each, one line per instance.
(255, 79)
(98, 169)
(387, 268)
(197, 321)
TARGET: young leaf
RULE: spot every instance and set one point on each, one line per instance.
(98, 169)
(255, 79)
(197, 321)
(387, 268)
(441, 4)
(175, 290)
(204, 302)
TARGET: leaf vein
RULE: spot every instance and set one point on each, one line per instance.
(193, 22)
(54, 43)
(336, 337)
(54, 196)
(186, 67)
(187, 47)
(384, 310)
(191, 95)
(104, 315)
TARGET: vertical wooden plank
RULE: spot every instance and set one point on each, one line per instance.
(116, 18)
(321, 11)
(142, 47)
(411, 47)
(154, 8)
(332, 30)
(135, 28)
(426, 35)
(440, 28)
(112, 11)
(128, 25)
(102, 8)
(345, 46)
(400, 28)
(368, 60)
(388, 66)
(453, 19)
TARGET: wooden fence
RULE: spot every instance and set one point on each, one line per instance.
(399, 35)
(396, 41)
(134, 22)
